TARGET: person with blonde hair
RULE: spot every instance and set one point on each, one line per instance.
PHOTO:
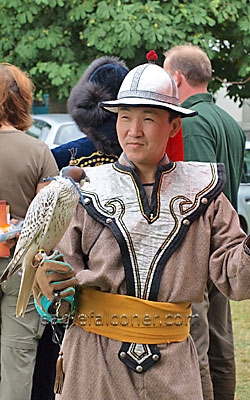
(24, 162)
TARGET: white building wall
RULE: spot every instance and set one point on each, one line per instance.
(228, 104)
(240, 114)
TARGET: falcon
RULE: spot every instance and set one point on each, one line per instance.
(45, 223)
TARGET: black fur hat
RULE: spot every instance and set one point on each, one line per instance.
(100, 82)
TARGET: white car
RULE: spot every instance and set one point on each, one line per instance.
(244, 192)
(55, 129)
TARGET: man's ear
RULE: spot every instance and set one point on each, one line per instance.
(176, 125)
(177, 77)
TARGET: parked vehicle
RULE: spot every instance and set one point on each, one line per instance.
(244, 192)
(55, 129)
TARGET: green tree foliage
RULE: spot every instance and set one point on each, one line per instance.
(55, 40)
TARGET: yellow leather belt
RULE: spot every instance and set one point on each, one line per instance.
(130, 319)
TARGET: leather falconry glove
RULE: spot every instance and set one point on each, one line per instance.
(54, 283)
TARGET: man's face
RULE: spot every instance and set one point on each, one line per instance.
(143, 133)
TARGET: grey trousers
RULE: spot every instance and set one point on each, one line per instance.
(19, 341)
(213, 336)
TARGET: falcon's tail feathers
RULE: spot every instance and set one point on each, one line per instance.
(25, 290)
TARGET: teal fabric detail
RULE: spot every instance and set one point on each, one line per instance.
(45, 303)
(56, 258)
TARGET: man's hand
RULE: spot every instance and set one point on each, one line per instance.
(54, 277)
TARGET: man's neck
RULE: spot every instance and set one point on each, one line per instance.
(188, 91)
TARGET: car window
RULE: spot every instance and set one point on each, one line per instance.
(246, 167)
(67, 133)
(39, 129)
(35, 129)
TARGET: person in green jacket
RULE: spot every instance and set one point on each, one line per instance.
(214, 136)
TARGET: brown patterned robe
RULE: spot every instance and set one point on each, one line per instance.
(209, 244)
